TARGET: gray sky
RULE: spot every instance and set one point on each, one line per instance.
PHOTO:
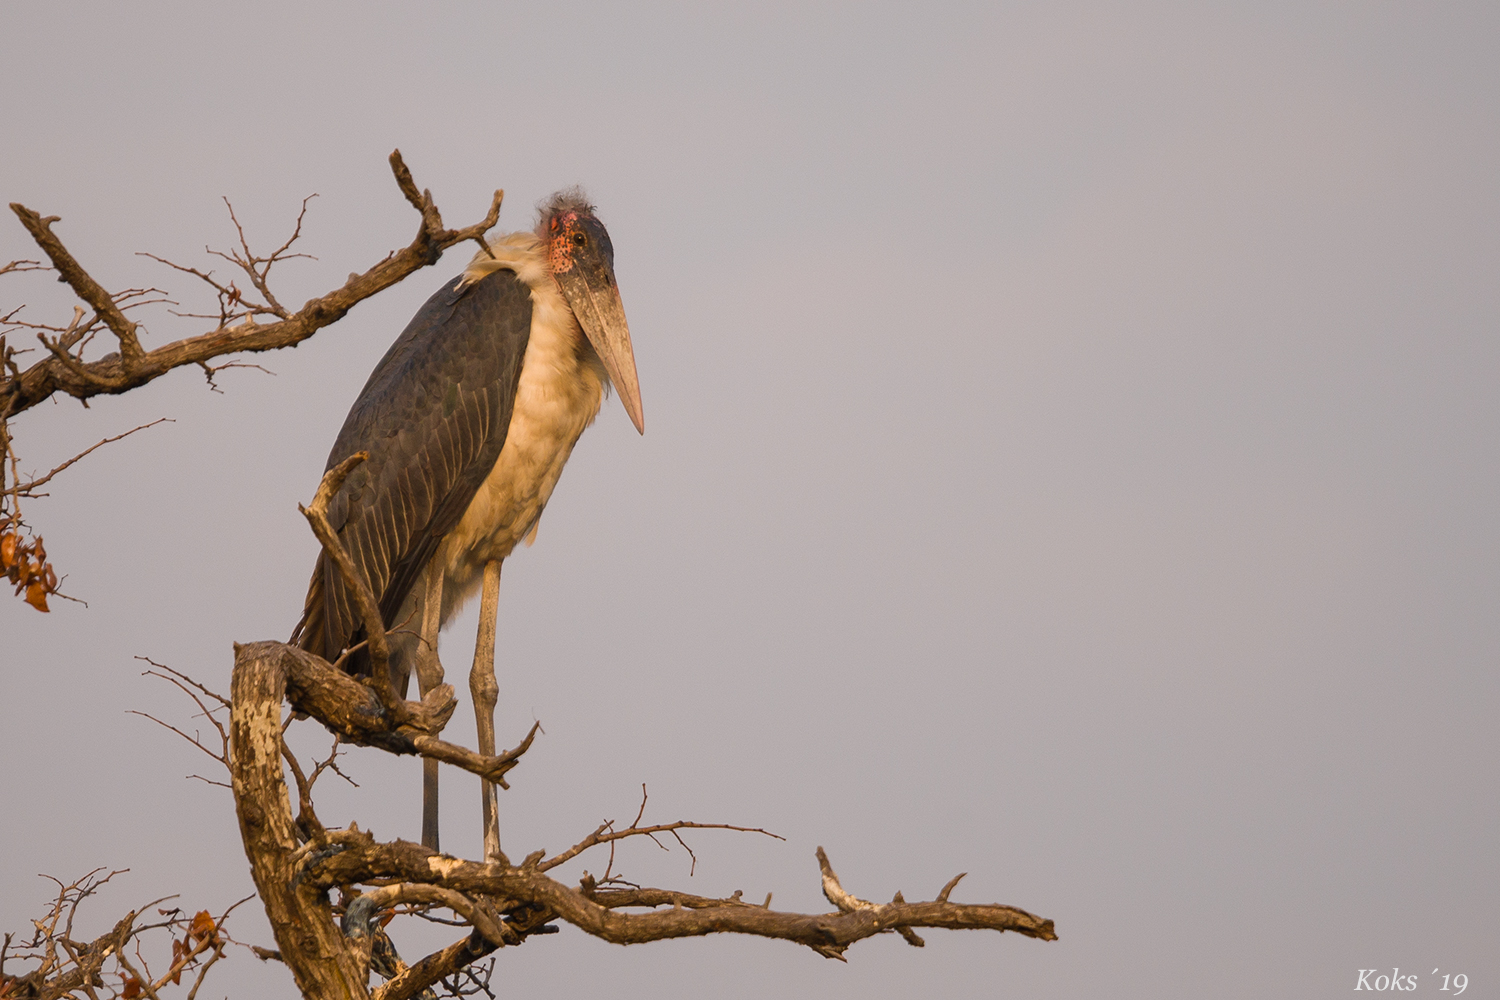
(1070, 458)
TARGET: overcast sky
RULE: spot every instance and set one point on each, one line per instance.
(1070, 458)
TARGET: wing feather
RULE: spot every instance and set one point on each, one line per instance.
(433, 417)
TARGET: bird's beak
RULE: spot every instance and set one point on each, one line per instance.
(590, 288)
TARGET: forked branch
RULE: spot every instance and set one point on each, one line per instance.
(82, 283)
(133, 366)
(605, 834)
(61, 966)
(505, 903)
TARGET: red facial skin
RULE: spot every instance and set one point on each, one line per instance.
(560, 242)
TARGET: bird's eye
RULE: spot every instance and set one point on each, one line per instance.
(580, 240)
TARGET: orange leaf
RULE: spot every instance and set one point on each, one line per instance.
(202, 927)
(36, 595)
(8, 542)
(132, 989)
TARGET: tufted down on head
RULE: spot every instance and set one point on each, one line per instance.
(571, 200)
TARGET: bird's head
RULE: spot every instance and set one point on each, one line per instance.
(582, 261)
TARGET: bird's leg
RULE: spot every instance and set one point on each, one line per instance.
(486, 691)
(429, 676)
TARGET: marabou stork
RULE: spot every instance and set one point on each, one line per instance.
(468, 421)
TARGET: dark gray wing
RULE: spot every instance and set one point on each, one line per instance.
(433, 417)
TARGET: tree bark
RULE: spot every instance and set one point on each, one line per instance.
(310, 942)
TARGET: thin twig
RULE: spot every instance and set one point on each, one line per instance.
(197, 692)
(31, 485)
(600, 837)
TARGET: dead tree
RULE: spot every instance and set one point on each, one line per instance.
(330, 893)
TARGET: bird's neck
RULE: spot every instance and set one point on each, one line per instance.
(522, 253)
(526, 254)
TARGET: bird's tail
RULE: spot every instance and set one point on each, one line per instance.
(311, 632)
(318, 631)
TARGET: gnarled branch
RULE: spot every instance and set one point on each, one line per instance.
(78, 279)
(594, 910)
(294, 880)
(134, 367)
(352, 710)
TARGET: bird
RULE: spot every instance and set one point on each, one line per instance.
(468, 421)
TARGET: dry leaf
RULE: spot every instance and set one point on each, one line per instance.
(202, 928)
(36, 595)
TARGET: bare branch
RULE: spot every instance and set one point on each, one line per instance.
(266, 672)
(435, 967)
(134, 368)
(259, 268)
(209, 371)
(354, 712)
(144, 982)
(694, 866)
(835, 892)
(330, 765)
(197, 692)
(406, 184)
(490, 768)
(183, 681)
(485, 921)
(191, 739)
(600, 836)
(307, 817)
(66, 967)
(77, 367)
(364, 600)
(642, 810)
(617, 898)
(320, 959)
(86, 287)
(829, 934)
(210, 781)
(232, 302)
(203, 971)
(30, 486)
